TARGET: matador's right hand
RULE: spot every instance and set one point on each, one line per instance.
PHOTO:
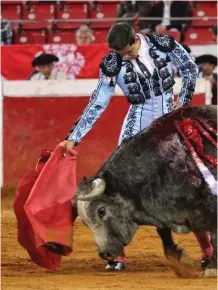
(68, 144)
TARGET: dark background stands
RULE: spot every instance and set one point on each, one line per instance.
(135, 8)
(177, 9)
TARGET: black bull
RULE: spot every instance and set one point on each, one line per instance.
(151, 179)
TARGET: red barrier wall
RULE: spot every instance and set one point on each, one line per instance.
(32, 124)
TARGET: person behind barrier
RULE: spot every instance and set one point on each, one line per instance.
(44, 64)
(84, 35)
(207, 64)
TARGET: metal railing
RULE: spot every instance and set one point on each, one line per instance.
(115, 19)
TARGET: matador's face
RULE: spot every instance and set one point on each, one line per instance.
(130, 51)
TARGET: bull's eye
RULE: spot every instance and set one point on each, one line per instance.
(101, 212)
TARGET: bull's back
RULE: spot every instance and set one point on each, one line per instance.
(161, 128)
(142, 148)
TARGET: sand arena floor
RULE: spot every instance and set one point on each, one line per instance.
(83, 270)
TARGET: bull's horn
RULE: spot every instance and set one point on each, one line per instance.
(98, 186)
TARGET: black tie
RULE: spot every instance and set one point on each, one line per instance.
(143, 68)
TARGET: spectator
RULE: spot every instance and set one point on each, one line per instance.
(6, 32)
(44, 64)
(207, 64)
(84, 35)
(131, 8)
(167, 9)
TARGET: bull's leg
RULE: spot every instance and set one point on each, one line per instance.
(203, 239)
(175, 255)
(170, 248)
(211, 269)
(74, 209)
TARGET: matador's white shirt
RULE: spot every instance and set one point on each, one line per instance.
(149, 92)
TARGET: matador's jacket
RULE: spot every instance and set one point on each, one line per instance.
(150, 95)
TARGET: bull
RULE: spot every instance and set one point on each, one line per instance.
(152, 179)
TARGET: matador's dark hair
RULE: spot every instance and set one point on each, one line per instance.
(120, 35)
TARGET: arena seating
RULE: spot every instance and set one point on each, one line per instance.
(199, 35)
(36, 12)
(12, 11)
(104, 9)
(72, 10)
(31, 37)
(48, 20)
(205, 9)
(61, 36)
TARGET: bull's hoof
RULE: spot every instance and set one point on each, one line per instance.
(178, 255)
(174, 253)
(204, 264)
(115, 266)
(180, 263)
(209, 273)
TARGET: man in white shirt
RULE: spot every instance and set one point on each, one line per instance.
(207, 64)
(44, 64)
(167, 9)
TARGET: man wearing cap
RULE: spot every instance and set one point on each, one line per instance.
(44, 64)
(207, 64)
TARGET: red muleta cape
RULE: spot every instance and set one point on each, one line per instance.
(43, 207)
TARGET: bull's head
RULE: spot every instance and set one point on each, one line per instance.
(107, 214)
